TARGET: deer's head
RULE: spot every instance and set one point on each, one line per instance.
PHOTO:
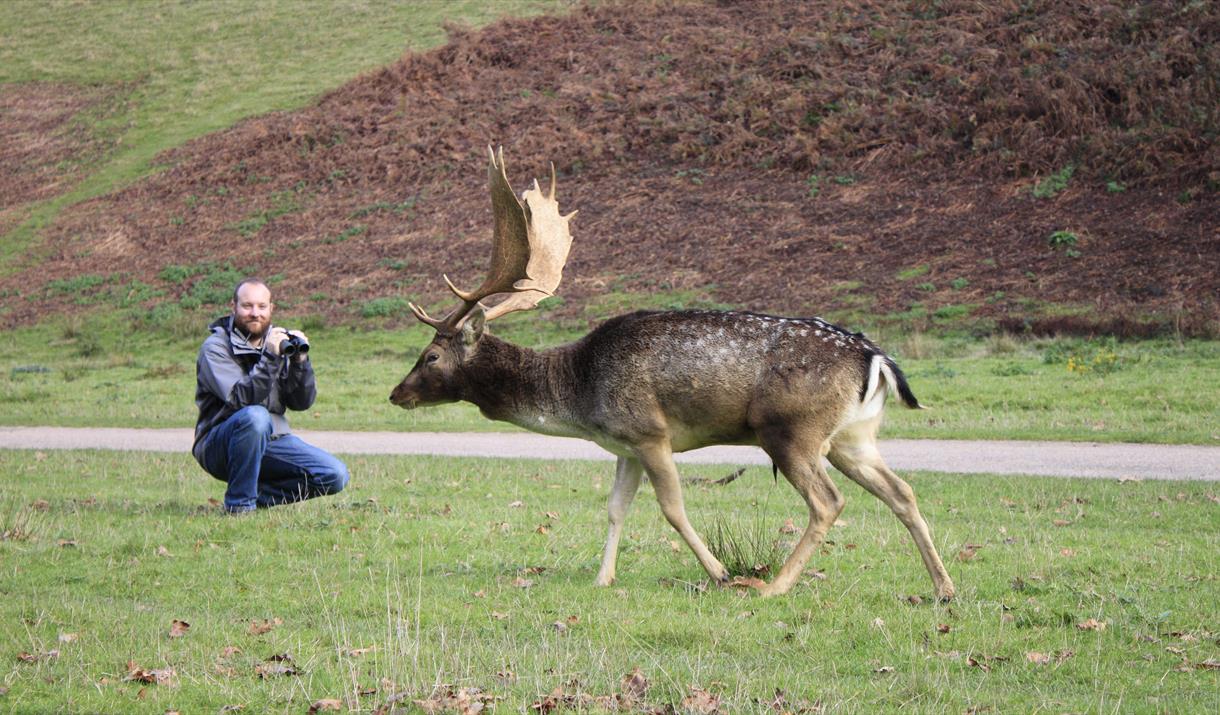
(530, 243)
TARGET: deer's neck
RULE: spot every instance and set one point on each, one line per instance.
(527, 388)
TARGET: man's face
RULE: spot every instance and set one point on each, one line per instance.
(252, 309)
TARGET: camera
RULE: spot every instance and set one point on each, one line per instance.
(294, 345)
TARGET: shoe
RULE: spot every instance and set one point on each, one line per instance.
(238, 511)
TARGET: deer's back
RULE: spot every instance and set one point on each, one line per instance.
(715, 376)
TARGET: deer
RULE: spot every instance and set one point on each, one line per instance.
(649, 384)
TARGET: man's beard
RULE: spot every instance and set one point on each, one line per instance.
(252, 329)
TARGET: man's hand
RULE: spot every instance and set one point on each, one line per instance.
(275, 338)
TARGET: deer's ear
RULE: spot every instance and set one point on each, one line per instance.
(472, 328)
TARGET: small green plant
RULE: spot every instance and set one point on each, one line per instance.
(929, 287)
(694, 175)
(959, 283)
(384, 307)
(395, 208)
(1062, 239)
(747, 550)
(845, 180)
(814, 183)
(1055, 183)
(1010, 369)
(1115, 187)
(346, 234)
(913, 272)
(394, 264)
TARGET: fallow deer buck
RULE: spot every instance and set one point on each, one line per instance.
(649, 384)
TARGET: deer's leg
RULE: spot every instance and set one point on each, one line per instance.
(854, 452)
(659, 463)
(803, 469)
(626, 481)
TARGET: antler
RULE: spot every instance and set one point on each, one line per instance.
(530, 243)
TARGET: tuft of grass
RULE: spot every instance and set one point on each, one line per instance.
(907, 274)
(385, 307)
(1055, 183)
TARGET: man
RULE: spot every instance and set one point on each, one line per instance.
(243, 385)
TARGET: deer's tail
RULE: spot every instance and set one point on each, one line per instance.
(884, 374)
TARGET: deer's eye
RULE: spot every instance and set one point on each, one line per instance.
(432, 357)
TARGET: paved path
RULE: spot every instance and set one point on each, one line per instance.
(1063, 459)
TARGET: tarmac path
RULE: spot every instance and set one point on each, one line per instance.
(1052, 459)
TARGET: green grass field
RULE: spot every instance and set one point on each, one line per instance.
(106, 372)
(1074, 596)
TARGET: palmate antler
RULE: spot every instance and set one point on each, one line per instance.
(530, 243)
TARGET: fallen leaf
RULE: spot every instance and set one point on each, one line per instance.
(1037, 658)
(1067, 553)
(156, 676)
(466, 701)
(1209, 664)
(213, 501)
(232, 708)
(229, 651)
(968, 551)
(542, 529)
(560, 627)
(178, 628)
(66, 637)
(480, 594)
(270, 670)
(325, 704)
(788, 528)
(1061, 522)
(40, 505)
(701, 701)
(67, 542)
(533, 570)
(506, 676)
(162, 551)
(553, 516)
(499, 616)
(516, 504)
(878, 623)
(1091, 624)
(914, 600)
(943, 628)
(522, 582)
(257, 628)
(357, 652)
(634, 685)
(884, 669)
(747, 582)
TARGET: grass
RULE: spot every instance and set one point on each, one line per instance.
(180, 70)
(102, 372)
(1074, 595)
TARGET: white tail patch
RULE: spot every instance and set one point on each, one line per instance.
(880, 380)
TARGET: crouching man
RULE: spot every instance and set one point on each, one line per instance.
(244, 382)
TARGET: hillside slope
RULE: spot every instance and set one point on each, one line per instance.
(1047, 166)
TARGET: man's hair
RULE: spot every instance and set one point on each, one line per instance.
(248, 281)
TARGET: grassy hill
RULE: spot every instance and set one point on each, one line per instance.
(1036, 167)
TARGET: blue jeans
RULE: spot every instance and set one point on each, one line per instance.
(263, 472)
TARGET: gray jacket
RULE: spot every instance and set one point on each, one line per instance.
(231, 374)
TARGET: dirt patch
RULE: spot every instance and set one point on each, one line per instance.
(42, 145)
(843, 158)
